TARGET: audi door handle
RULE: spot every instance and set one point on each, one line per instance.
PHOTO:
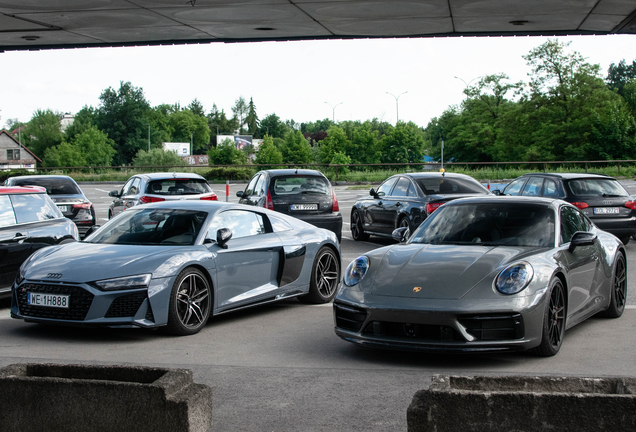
(20, 237)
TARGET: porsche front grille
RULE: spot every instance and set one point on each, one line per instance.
(349, 317)
(494, 326)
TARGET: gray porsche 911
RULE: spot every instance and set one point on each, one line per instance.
(484, 274)
(175, 264)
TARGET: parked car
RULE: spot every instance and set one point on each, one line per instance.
(157, 187)
(173, 264)
(29, 220)
(66, 195)
(406, 200)
(302, 193)
(484, 274)
(601, 198)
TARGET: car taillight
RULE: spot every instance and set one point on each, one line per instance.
(82, 206)
(431, 207)
(146, 199)
(334, 203)
(269, 204)
(580, 205)
(631, 205)
(212, 197)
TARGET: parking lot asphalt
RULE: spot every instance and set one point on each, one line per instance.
(280, 367)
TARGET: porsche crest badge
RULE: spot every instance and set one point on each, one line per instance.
(417, 289)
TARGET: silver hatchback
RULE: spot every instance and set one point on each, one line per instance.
(157, 187)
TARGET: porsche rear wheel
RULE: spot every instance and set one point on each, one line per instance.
(553, 321)
(619, 289)
(190, 303)
(325, 276)
(357, 230)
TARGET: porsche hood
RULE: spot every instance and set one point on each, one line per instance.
(436, 271)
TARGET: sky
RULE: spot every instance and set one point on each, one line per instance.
(300, 80)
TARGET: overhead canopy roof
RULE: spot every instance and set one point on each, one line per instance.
(41, 24)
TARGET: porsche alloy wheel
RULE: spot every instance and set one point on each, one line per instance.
(357, 231)
(190, 303)
(619, 289)
(553, 321)
(325, 276)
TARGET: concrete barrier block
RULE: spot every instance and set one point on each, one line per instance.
(524, 404)
(70, 398)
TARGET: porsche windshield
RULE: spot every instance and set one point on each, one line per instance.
(152, 227)
(492, 224)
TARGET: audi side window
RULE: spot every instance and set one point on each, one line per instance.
(385, 188)
(401, 188)
(412, 191)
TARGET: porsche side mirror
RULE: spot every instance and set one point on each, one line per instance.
(240, 194)
(496, 192)
(114, 194)
(373, 193)
(581, 238)
(400, 234)
(223, 236)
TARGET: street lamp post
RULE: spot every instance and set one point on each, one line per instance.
(333, 108)
(397, 112)
(467, 84)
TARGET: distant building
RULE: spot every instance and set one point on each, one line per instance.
(14, 156)
(66, 120)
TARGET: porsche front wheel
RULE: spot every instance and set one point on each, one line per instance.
(553, 328)
(190, 303)
(618, 286)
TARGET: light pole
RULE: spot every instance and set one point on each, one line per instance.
(397, 112)
(333, 108)
(467, 84)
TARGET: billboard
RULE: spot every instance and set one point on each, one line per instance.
(182, 149)
(240, 141)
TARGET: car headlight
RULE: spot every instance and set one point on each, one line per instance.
(356, 271)
(514, 278)
(122, 283)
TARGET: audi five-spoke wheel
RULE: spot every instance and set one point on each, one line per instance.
(553, 321)
(190, 303)
(357, 230)
(619, 289)
(325, 277)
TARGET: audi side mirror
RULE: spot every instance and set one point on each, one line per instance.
(223, 235)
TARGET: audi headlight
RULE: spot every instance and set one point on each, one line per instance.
(122, 283)
(514, 278)
(356, 271)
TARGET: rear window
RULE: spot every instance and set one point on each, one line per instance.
(178, 187)
(597, 187)
(437, 185)
(294, 185)
(34, 208)
(53, 186)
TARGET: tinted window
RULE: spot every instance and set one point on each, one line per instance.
(514, 187)
(250, 187)
(54, 186)
(401, 188)
(34, 208)
(134, 187)
(571, 222)
(242, 223)
(297, 184)
(385, 188)
(445, 185)
(596, 187)
(412, 191)
(178, 187)
(533, 187)
(7, 217)
(503, 223)
(550, 189)
(259, 189)
(126, 188)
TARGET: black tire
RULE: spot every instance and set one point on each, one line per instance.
(625, 239)
(110, 215)
(325, 277)
(357, 229)
(405, 223)
(553, 328)
(190, 303)
(618, 295)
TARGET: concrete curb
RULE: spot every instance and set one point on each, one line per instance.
(79, 398)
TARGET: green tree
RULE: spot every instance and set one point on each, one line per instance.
(64, 155)
(196, 107)
(618, 75)
(42, 132)
(218, 122)
(402, 144)
(226, 153)
(157, 157)
(83, 120)
(252, 120)
(184, 123)
(240, 110)
(95, 145)
(273, 126)
(363, 147)
(268, 153)
(336, 142)
(296, 149)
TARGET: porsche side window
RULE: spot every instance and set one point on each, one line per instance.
(7, 217)
(514, 187)
(571, 222)
(241, 223)
(385, 188)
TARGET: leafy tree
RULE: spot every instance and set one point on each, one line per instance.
(83, 120)
(95, 145)
(619, 75)
(341, 159)
(13, 123)
(252, 120)
(272, 125)
(43, 131)
(183, 123)
(296, 149)
(240, 110)
(157, 157)
(64, 155)
(218, 122)
(196, 107)
(336, 142)
(404, 143)
(317, 126)
(363, 145)
(268, 153)
(226, 153)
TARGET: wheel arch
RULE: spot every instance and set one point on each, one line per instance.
(207, 275)
(561, 276)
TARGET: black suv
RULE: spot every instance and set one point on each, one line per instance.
(601, 198)
(304, 194)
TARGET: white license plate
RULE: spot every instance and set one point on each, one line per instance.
(606, 210)
(304, 206)
(63, 209)
(48, 300)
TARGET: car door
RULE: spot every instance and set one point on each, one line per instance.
(119, 203)
(393, 205)
(250, 196)
(583, 263)
(247, 269)
(375, 215)
(14, 249)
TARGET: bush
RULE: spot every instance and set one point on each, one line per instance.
(14, 173)
(229, 173)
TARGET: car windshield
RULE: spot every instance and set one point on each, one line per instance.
(492, 224)
(178, 187)
(53, 185)
(152, 227)
(454, 185)
(300, 184)
(597, 188)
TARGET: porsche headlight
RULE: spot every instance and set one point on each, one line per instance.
(514, 278)
(356, 271)
(122, 283)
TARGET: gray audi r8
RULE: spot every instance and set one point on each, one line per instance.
(484, 274)
(175, 264)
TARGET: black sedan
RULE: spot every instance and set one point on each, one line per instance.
(28, 221)
(406, 200)
(66, 194)
(601, 198)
